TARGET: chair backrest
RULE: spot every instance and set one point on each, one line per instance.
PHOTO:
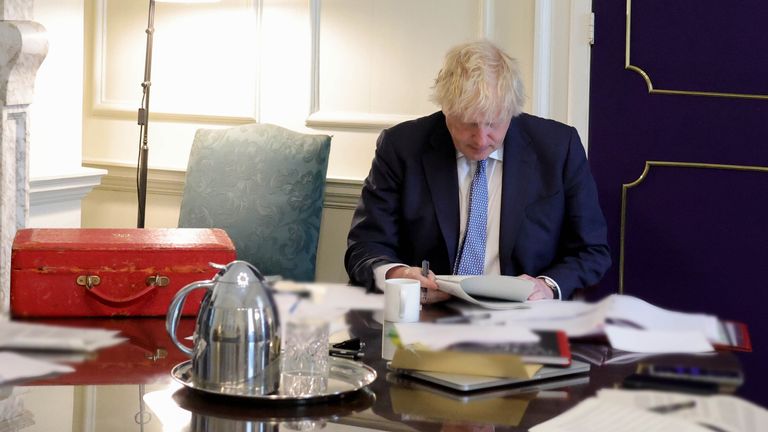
(264, 186)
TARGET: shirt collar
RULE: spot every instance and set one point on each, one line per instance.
(497, 154)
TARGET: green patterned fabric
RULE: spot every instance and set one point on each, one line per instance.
(264, 185)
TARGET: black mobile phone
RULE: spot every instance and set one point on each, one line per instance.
(723, 377)
(643, 381)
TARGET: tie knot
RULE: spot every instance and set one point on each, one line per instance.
(481, 165)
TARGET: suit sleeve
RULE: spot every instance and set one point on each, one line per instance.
(373, 236)
(583, 256)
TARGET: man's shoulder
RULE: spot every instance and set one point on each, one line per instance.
(410, 137)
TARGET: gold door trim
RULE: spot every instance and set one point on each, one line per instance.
(646, 170)
(629, 66)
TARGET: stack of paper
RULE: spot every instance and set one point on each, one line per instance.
(615, 409)
(630, 324)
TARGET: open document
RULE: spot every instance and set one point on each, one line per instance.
(491, 291)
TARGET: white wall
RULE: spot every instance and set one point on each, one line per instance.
(58, 182)
(346, 68)
(56, 112)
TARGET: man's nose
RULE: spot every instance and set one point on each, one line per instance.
(480, 136)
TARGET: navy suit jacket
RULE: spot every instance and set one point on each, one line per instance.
(551, 221)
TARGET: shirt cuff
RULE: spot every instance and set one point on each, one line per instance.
(554, 284)
(380, 274)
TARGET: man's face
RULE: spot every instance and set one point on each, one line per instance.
(476, 140)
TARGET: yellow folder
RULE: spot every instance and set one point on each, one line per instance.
(424, 404)
(462, 362)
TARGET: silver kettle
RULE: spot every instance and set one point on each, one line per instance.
(237, 335)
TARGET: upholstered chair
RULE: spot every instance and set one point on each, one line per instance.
(264, 186)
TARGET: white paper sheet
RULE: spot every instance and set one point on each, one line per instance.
(339, 296)
(652, 317)
(657, 341)
(18, 335)
(727, 412)
(601, 415)
(574, 317)
(290, 306)
(439, 336)
(17, 367)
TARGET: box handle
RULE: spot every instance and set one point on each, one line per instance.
(90, 282)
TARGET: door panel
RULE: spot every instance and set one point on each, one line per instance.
(678, 146)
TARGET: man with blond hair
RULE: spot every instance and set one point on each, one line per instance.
(479, 188)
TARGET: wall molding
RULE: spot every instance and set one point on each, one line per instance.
(64, 188)
(649, 84)
(646, 170)
(542, 59)
(339, 193)
(320, 118)
(103, 106)
(580, 40)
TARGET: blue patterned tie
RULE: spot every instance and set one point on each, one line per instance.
(471, 256)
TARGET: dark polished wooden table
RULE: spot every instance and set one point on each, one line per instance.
(128, 388)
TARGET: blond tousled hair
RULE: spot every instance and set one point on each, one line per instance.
(479, 82)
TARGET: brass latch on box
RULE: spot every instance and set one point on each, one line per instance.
(88, 281)
(158, 280)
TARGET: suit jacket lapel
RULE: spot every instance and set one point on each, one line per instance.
(518, 167)
(439, 162)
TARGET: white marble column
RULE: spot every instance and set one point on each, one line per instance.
(23, 46)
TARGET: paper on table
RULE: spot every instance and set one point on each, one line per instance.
(578, 318)
(657, 341)
(348, 297)
(340, 296)
(439, 336)
(290, 306)
(17, 335)
(16, 367)
(601, 415)
(724, 411)
(651, 317)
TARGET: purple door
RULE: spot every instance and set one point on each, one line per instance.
(679, 149)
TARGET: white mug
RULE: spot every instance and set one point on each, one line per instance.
(401, 299)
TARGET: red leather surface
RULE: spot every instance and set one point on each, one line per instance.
(45, 264)
(146, 357)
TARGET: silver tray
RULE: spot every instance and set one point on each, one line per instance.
(344, 377)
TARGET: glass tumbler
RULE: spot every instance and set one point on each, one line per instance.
(304, 361)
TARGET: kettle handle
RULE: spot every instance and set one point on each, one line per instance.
(174, 311)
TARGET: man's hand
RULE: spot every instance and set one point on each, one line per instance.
(432, 294)
(541, 291)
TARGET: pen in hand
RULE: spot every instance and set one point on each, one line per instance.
(425, 268)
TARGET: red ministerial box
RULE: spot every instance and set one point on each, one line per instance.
(87, 272)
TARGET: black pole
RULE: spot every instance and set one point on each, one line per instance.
(141, 181)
